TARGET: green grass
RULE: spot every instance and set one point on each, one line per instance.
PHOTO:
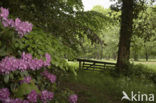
(101, 87)
(149, 64)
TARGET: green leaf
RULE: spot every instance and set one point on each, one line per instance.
(6, 78)
(11, 76)
(25, 89)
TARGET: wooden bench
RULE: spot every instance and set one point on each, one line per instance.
(85, 64)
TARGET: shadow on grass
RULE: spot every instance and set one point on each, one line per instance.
(102, 87)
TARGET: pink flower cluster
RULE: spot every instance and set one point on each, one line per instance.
(4, 12)
(73, 98)
(46, 96)
(32, 96)
(4, 93)
(17, 100)
(5, 97)
(49, 76)
(26, 62)
(26, 79)
(21, 27)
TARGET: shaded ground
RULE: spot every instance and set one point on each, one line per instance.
(101, 87)
(88, 93)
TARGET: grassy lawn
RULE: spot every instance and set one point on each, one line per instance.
(101, 87)
(149, 64)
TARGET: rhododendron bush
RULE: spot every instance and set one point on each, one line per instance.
(24, 78)
(21, 27)
(38, 43)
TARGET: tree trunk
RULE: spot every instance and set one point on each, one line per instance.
(125, 34)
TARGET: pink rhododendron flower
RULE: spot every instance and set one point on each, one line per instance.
(73, 98)
(5, 23)
(4, 93)
(26, 101)
(48, 59)
(49, 76)
(21, 27)
(32, 96)
(26, 79)
(26, 57)
(4, 12)
(26, 62)
(17, 100)
(46, 96)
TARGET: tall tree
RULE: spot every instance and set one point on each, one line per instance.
(125, 34)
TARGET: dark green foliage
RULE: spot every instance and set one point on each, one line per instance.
(143, 26)
(141, 72)
(91, 23)
(43, 13)
(7, 38)
(38, 43)
(12, 81)
(62, 96)
(62, 18)
(143, 40)
(107, 39)
(25, 89)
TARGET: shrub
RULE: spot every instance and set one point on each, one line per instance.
(24, 77)
(140, 71)
(39, 43)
